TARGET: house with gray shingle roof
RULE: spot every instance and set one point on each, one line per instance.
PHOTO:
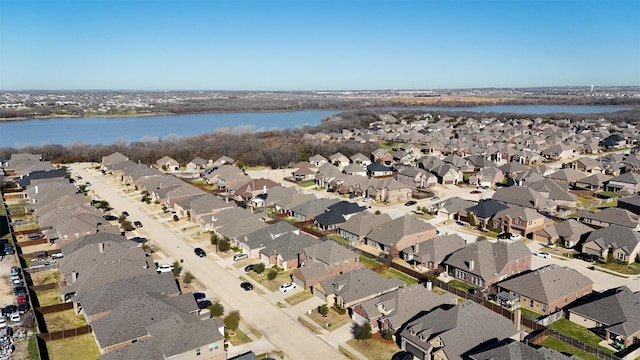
(609, 216)
(129, 321)
(177, 337)
(358, 226)
(510, 349)
(257, 240)
(337, 214)
(167, 163)
(488, 176)
(631, 204)
(525, 197)
(547, 289)
(451, 207)
(557, 192)
(614, 312)
(627, 183)
(99, 302)
(520, 220)
(569, 233)
(360, 159)
(390, 311)
(243, 193)
(234, 223)
(310, 209)
(197, 163)
(455, 332)
(596, 181)
(416, 177)
(428, 255)
(619, 242)
(400, 233)
(483, 211)
(484, 263)
(283, 250)
(322, 261)
(567, 176)
(223, 160)
(354, 286)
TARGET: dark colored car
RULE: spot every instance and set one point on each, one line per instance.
(199, 295)
(476, 192)
(204, 304)
(248, 268)
(139, 239)
(19, 290)
(125, 214)
(198, 251)
(246, 286)
(138, 224)
(505, 235)
(585, 257)
(110, 217)
(410, 203)
(22, 308)
(9, 309)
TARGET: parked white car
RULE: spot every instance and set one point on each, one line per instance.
(287, 286)
(164, 268)
(367, 200)
(15, 317)
(542, 254)
(515, 237)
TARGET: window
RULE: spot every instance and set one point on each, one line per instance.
(544, 307)
(476, 281)
(621, 256)
(461, 274)
(531, 303)
(213, 347)
(198, 352)
(346, 262)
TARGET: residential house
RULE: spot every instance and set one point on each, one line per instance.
(322, 261)
(390, 311)
(360, 159)
(309, 210)
(613, 141)
(243, 193)
(378, 170)
(455, 332)
(631, 204)
(627, 183)
(512, 168)
(525, 197)
(359, 225)
(510, 349)
(483, 211)
(488, 177)
(427, 255)
(114, 158)
(547, 289)
(355, 169)
(197, 163)
(416, 177)
(318, 160)
(354, 286)
(234, 222)
(519, 220)
(388, 190)
(382, 156)
(223, 160)
(339, 160)
(304, 171)
(567, 176)
(257, 240)
(479, 163)
(484, 263)
(337, 214)
(171, 194)
(609, 216)
(231, 174)
(447, 174)
(613, 313)
(593, 182)
(559, 151)
(167, 163)
(283, 250)
(178, 337)
(587, 165)
(556, 192)
(618, 242)
(400, 234)
(569, 233)
(451, 207)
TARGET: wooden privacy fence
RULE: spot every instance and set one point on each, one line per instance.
(600, 354)
(43, 287)
(64, 334)
(55, 308)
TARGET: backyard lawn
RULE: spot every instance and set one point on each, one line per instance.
(45, 277)
(562, 347)
(79, 347)
(63, 320)
(393, 273)
(578, 332)
(48, 297)
(460, 285)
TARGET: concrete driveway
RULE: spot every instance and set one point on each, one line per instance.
(279, 326)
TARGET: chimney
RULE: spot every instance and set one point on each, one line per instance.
(517, 318)
(101, 248)
(535, 202)
(264, 189)
(429, 285)
(74, 276)
(472, 264)
(36, 189)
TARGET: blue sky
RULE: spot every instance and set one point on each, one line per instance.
(317, 45)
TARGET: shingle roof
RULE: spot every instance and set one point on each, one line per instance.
(515, 350)
(358, 284)
(547, 284)
(618, 309)
(616, 236)
(362, 223)
(486, 208)
(615, 216)
(391, 232)
(460, 328)
(488, 259)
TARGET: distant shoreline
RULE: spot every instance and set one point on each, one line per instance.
(61, 116)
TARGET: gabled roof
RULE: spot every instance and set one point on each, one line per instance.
(362, 223)
(523, 196)
(377, 167)
(627, 178)
(314, 207)
(339, 213)
(460, 328)
(617, 309)
(556, 191)
(391, 232)
(288, 245)
(512, 168)
(266, 235)
(488, 259)
(456, 204)
(438, 248)
(548, 284)
(358, 284)
(571, 229)
(329, 252)
(615, 216)
(515, 350)
(596, 179)
(615, 236)
(568, 175)
(486, 208)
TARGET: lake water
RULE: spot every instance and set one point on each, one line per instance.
(107, 130)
